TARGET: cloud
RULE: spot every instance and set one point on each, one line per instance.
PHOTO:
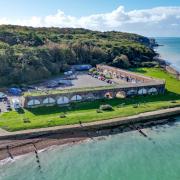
(159, 21)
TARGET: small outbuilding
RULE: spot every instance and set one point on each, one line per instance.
(15, 91)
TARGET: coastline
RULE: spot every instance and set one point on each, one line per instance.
(167, 67)
(15, 145)
(165, 64)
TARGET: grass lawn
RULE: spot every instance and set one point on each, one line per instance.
(86, 111)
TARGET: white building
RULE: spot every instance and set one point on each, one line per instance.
(16, 103)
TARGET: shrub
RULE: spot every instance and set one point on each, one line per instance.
(92, 70)
(99, 111)
(106, 107)
(62, 116)
(95, 73)
(26, 120)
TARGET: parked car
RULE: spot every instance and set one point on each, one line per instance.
(109, 81)
(103, 79)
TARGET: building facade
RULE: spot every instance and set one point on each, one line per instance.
(136, 85)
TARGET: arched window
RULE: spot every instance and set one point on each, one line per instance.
(36, 102)
(33, 102)
(76, 98)
(121, 94)
(152, 91)
(63, 100)
(108, 95)
(142, 91)
(131, 92)
(30, 103)
(49, 101)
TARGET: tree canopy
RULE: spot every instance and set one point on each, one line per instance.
(30, 54)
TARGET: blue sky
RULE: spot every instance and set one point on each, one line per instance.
(151, 18)
(25, 8)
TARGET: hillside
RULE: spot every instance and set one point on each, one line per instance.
(29, 54)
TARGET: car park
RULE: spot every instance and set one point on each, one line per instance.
(102, 78)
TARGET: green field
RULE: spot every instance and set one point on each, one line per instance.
(86, 111)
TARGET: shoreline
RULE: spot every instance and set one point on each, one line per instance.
(167, 66)
(15, 145)
(44, 145)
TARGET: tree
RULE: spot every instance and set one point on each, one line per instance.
(121, 61)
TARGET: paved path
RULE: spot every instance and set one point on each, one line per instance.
(2, 132)
(98, 124)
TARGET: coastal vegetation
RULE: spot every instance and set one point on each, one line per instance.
(89, 111)
(28, 54)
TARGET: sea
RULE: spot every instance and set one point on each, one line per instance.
(124, 156)
(169, 50)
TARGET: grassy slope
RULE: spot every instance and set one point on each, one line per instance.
(86, 112)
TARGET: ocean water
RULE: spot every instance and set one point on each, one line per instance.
(126, 156)
(170, 50)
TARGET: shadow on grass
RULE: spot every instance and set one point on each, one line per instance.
(21, 111)
(168, 96)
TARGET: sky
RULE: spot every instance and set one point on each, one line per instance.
(146, 17)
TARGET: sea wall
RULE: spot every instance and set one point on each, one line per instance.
(93, 126)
